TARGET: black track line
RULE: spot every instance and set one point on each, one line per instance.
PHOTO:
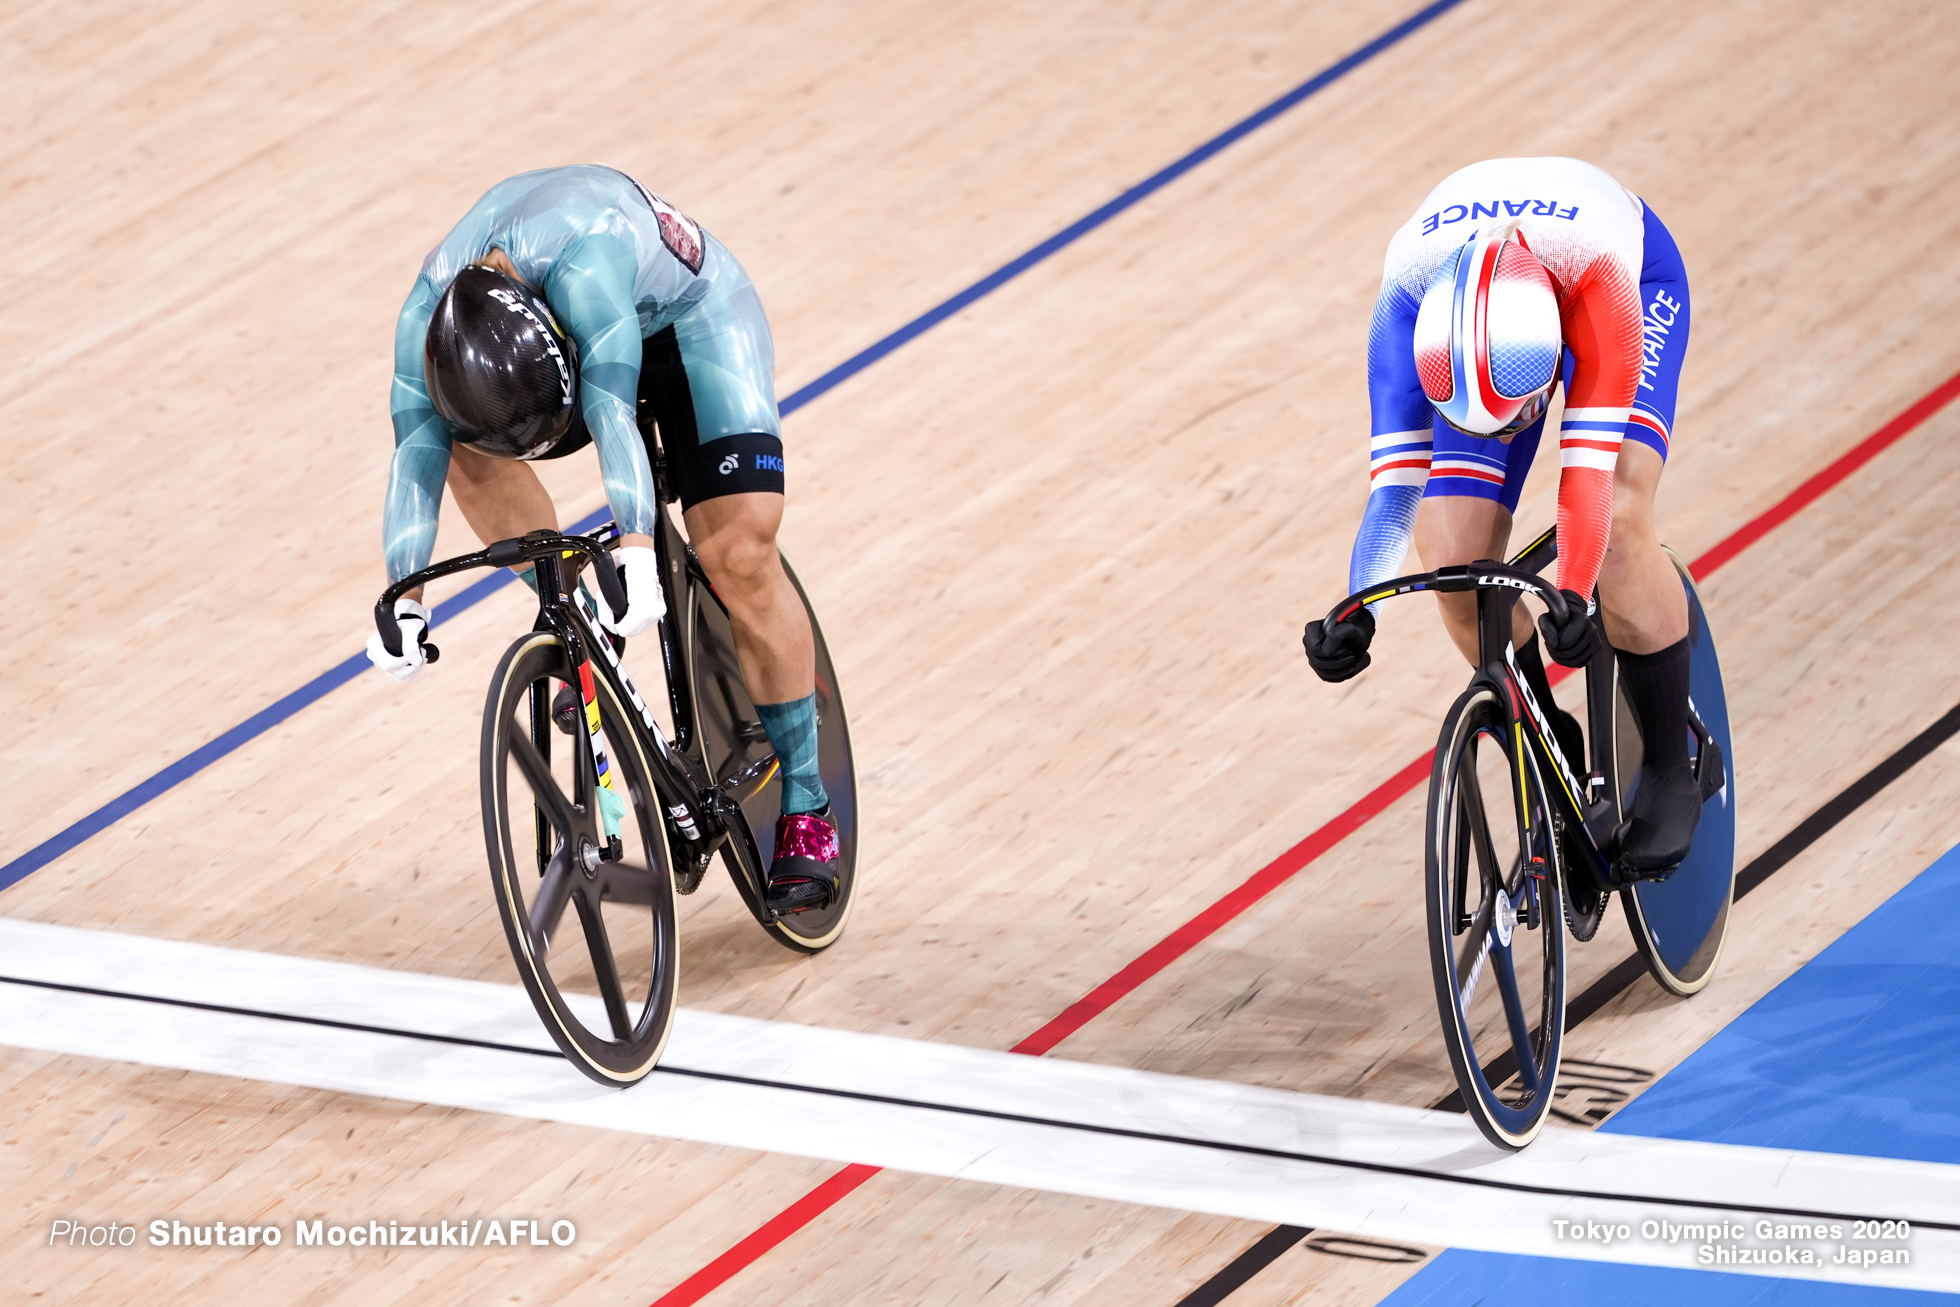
(1609, 986)
(327, 1022)
(1764, 865)
(1246, 1265)
(1269, 1248)
(1120, 1132)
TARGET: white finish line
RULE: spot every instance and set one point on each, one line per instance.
(1082, 1138)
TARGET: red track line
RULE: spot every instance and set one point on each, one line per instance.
(1281, 869)
(1098, 1000)
(772, 1232)
(1188, 936)
(1859, 455)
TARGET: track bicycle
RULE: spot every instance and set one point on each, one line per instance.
(1518, 836)
(620, 819)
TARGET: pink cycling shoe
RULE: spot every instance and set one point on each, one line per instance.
(804, 874)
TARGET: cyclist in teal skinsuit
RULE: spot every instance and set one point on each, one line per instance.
(668, 331)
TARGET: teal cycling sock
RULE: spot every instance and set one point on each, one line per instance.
(792, 729)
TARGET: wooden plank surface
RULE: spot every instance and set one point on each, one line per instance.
(1062, 546)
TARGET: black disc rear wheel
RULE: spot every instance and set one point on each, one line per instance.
(732, 737)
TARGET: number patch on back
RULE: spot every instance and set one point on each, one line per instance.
(679, 233)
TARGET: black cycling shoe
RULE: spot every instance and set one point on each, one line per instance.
(803, 875)
(1661, 827)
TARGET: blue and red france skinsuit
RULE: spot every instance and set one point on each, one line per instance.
(1623, 310)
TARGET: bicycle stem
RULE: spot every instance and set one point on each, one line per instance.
(529, 548)
(1495, 665)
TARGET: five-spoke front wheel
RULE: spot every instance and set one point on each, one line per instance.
(580, 868)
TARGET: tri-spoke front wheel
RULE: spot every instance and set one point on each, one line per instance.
(1496, 943)
(580, 868)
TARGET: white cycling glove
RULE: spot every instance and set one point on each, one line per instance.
(413, 619)
(639, 568)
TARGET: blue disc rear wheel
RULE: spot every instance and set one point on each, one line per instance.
(1496, 935)
(1681, 923)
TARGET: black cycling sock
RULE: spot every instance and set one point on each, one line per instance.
(1532, 664)
(1657, 689)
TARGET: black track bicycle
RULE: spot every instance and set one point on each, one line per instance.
(595, 819)
(1519, 836)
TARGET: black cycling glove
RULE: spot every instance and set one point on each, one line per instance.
(1340, 651)
(1574, 643)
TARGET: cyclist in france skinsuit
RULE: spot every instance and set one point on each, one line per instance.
(1513, 273)
(566, 308)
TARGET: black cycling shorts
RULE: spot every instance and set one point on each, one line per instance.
(703, 464)
(724, 464)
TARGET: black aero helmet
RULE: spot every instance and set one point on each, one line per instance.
(498, 368)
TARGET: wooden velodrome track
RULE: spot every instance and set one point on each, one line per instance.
(1062, 543)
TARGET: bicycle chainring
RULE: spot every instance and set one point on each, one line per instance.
(1585, 899)
(688, 872)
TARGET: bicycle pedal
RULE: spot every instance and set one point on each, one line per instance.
(1648, 877)
(1711, 780)
(566, 710)
(786, 899)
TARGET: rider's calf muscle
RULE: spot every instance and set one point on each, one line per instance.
(734, 536)
(1640, 595)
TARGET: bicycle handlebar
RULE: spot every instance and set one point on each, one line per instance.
(531, 548)
(1486, 574)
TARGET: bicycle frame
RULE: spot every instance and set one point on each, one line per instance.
(705, 815)
(1572, 823)
(1588, 801)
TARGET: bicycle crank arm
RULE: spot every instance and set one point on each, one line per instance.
(1601, 848)
(746, 783)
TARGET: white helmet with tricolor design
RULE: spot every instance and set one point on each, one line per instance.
(1487, 336)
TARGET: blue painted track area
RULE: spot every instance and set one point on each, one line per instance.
(1858, 1052)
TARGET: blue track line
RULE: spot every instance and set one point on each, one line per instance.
(259, 723)
(1149, 186)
